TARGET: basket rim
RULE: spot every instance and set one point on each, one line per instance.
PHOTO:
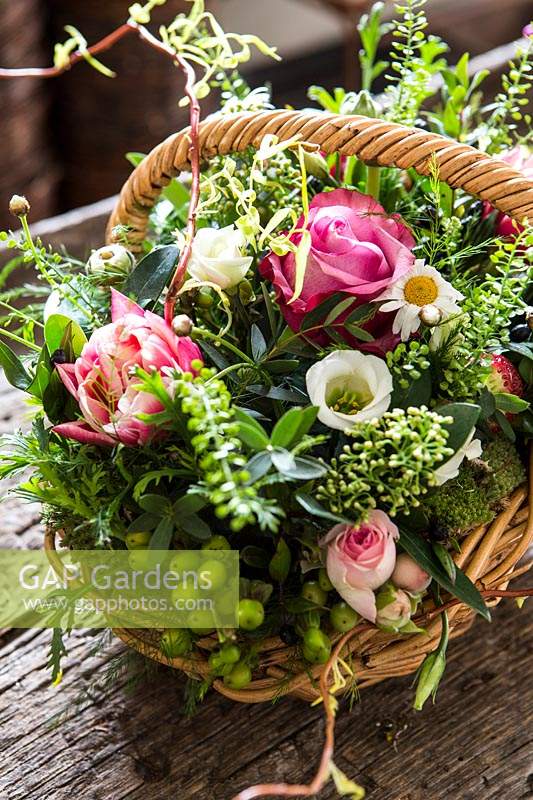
(374, 141)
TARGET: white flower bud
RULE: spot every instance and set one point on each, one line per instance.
(430, 315)
(19, 206)
(182, 325)
(112, 259)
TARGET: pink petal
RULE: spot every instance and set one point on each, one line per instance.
(81, 432)
(67, 373)
(361, 600)
(122, 305)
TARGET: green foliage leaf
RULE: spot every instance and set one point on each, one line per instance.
(465, 417)
(163, 534)
(510, 403)
(154, 503)
(257, 343)
(463, 588)
(255, 556)
(293, 426)
(314, 508)
(146, 522)
(13, 367)
(280, 563)
(63, 333)
(151, 275)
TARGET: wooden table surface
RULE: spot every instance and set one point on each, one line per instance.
(114, 741)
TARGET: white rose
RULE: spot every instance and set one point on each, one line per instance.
(470, 449)
(217, 257)
(349, 387)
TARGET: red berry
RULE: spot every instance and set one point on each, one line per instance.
(504, 377)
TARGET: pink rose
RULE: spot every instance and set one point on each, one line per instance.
(103, 381)
(360, 560)
(409, 576)
(522, 160)
(356, 248)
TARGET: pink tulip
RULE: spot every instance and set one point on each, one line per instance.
(103, 378)
(360, 560)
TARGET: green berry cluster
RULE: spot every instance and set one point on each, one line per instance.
(389, 462)
(407, 362)
(474, 496)
(206, 404)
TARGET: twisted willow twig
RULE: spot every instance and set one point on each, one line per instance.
(194, 121)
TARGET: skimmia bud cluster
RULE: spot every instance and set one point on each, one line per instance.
(388, 462)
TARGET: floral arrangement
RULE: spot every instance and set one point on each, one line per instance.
(324, 364)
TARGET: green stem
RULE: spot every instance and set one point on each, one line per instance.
(214, 337)
(20, 314)
(227, 370)
(20, 340)
(373, 178)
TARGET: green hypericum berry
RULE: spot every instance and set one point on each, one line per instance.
(185, 561)
(176, 642)
(324, 581)
(251, 614)
(239, 677)
(138, 541)
(315, 639)
(312, 591)
(215, 572)
(343, 618)
(230, 654)
(217, 542)
(316, 656)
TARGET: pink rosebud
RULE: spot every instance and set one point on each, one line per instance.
(409, 576)
(521, 159)
(103, 378)
(360, 560)
(356, 249)
(528, 31)
(393, 608)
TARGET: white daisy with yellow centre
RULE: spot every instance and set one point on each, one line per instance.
(421, 296)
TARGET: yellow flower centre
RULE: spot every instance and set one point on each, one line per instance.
(420, 291)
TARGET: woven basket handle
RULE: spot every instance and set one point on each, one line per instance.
(371, 140)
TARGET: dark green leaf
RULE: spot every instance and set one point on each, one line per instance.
(510, 403)
(255, 556)
(14, 368)
(293, 426)
(465, 416)
(215, 354)
(257, 343)
(195, 527)
(278, 393)
(155, 504)
(505, 425)
(488, 406)
(313, 507)
(446, 560)
(463, 588)
(418, 393)
(189, 504)
(359, 333)
(339, 309)
(362, 314)
(281, 366)
(319, 314)
(252, 437)
(163, 535)
(151, 275)
(146, 522)
(280, 563)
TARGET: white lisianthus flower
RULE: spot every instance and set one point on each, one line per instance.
(349, 387)
(217, 257)
(421, 294)
(470, 449)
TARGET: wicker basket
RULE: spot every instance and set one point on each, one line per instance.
(490, 553)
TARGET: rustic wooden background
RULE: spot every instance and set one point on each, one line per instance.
(94, 737)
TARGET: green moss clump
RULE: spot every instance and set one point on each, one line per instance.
(477, 493)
